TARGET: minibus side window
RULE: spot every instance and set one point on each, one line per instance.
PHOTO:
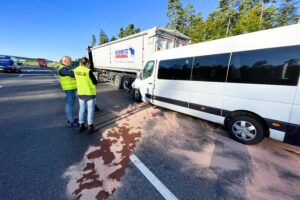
(210, 68)
(274, 66)
(175, 69)
(148, 69)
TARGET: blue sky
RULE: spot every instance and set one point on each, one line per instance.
(52, 28)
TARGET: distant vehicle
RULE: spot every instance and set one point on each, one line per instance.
(120, 60)
(248, 83)
(9, 63)
(42, 62)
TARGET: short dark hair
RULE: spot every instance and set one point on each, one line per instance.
(84, 61)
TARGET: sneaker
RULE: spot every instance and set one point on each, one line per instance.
(82, 128)
(91, 129)
(74, 124)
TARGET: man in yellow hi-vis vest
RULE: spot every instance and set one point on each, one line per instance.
(69, 86)
(86, 90)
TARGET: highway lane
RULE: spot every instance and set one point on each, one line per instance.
(42, 158)
(36, 146)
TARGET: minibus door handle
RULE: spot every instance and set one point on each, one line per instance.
(150, 83)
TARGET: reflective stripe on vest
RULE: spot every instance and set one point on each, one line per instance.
(85, 85)
(67, 82)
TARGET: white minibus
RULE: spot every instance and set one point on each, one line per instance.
(248, 83)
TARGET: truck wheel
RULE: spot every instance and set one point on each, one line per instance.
(118, 81)
(101, 78)
(246, 129)
(137, 95)
(126, 83)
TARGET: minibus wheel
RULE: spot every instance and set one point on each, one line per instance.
(137, 95)
(246, 129)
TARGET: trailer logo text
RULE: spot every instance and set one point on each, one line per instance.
(124, 53)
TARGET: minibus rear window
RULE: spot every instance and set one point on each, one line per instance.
(276, 66)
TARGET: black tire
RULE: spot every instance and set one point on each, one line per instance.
(126, 83)
(101, 78)
(137, 95)
(118, 81)
(240, 128)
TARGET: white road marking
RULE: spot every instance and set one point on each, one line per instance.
(55, 76)
(37, 74)
(21, 75)
(1, 86)
(161, 188)
(35, 70)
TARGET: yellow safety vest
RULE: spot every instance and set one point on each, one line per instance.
(67, 82)
(85, 85)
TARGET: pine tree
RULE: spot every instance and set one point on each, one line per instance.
(102, 37)
(113, 38)
(121, 33)
(130, 30)
(268, 16)
(137, 30)
(249, 17)
(287, 12)
(94, 41)
(194, 23)
(197, 33)
(176, 16)
(220, 22)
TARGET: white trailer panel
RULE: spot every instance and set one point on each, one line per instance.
(129, 54)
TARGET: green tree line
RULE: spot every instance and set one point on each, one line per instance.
(231, 17)
(124, 32)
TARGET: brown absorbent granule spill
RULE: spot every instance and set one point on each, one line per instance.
(99, 174)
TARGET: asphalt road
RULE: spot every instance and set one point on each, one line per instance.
(42, 158)
(36, 146)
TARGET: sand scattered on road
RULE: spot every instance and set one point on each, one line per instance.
(269, 170)
(100, 172)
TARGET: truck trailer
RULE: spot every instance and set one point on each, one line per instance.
(121, 60)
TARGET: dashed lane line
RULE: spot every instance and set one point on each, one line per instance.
(21, 75)
(56, 77)
(34, 70)
(161, 188)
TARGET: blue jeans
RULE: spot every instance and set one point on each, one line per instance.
(71, 96)
(90, 110)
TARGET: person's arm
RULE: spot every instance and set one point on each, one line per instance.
(93, 78)
(66, 72)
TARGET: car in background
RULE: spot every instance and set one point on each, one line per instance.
(9, 63)
(42, 62)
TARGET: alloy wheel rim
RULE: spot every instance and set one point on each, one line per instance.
(244, 130)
